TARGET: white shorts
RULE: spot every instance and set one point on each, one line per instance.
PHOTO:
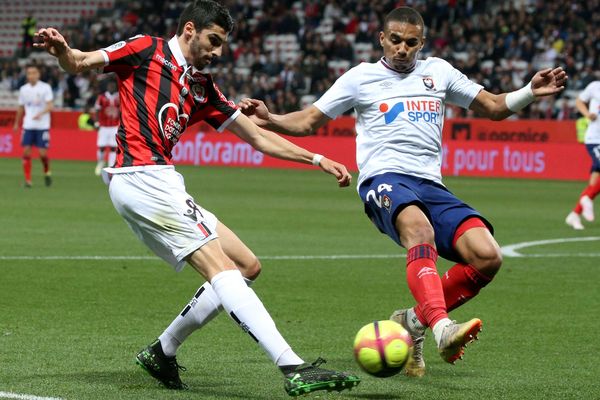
(107, 136)
(162, 214)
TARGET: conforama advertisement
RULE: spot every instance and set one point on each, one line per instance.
(519, 149)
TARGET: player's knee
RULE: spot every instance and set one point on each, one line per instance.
(488, 259)
(252, 269)
(418, 234)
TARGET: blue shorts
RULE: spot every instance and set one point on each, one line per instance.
(594, 150)
(36, 137)
(387, 194)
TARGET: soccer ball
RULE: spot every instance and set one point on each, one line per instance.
(381, 348)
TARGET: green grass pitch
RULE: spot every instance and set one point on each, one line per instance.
(70, 326)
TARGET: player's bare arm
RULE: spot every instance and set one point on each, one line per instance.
(71, 60)
(583, 109)
(274, 145)
(299, 123)
(20, 112)
(546, 82)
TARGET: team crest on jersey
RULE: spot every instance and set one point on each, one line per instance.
(386, 202)
(428, 82)
(198, 92)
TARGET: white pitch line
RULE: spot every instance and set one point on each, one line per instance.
(511, 250)
(507, 251)
(19, 396)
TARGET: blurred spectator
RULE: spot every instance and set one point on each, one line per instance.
(29, 25)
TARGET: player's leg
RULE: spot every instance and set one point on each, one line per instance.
(27, 165)
(585, 203)
(205, 304)
(42, 143)
(439, 223)
(100, 152)
(100, 161)
(482, 260)
(112, 155)
(417, 235)
(190, 235)
(27, 140)
(46, 166)
(246, 309)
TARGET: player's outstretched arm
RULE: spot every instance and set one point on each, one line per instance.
(71, 60)
(583, 108)
(274, 145)
(299, 123)
(497, 107)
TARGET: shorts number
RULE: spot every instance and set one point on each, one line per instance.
(371, 195)
(596, 151)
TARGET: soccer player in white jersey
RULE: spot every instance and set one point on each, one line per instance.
(588, 104)
(399, 102)
(162, 88)
(35, 105)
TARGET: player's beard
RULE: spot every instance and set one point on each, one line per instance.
(199, 59)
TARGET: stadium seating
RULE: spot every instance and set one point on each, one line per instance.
(47, 13)
(487, 29)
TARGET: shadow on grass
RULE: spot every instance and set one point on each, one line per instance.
(139, 385)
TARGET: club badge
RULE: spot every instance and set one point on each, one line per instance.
(428, 82)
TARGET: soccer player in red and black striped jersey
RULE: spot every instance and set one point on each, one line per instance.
(162, 90)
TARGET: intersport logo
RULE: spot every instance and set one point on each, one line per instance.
(417, 110)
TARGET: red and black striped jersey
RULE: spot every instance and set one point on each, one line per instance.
(107, 109)
(160, 96)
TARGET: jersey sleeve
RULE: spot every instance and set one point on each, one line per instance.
(341, 96)
(218, 111)
(21, 97)
(461, 91)
(586, 95)
(48, 95)
(127, 55)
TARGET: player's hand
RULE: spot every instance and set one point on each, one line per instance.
(36, 117)
(548, 82)
(15, 127)
(256, 110)
(593, 117)
(336, 169)
(50, 40)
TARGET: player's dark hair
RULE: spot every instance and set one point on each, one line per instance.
(203, 14)
(405, 14)
(31, 65)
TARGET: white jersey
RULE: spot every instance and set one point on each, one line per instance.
(591, 96)
(34, 99)
(399, 116)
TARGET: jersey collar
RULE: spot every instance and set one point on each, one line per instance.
(389, 66)
(177, 53)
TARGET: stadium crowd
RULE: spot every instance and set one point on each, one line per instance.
(289, 52)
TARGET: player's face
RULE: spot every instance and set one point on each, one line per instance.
(401, 44)
(206, 45)
(32, 75)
